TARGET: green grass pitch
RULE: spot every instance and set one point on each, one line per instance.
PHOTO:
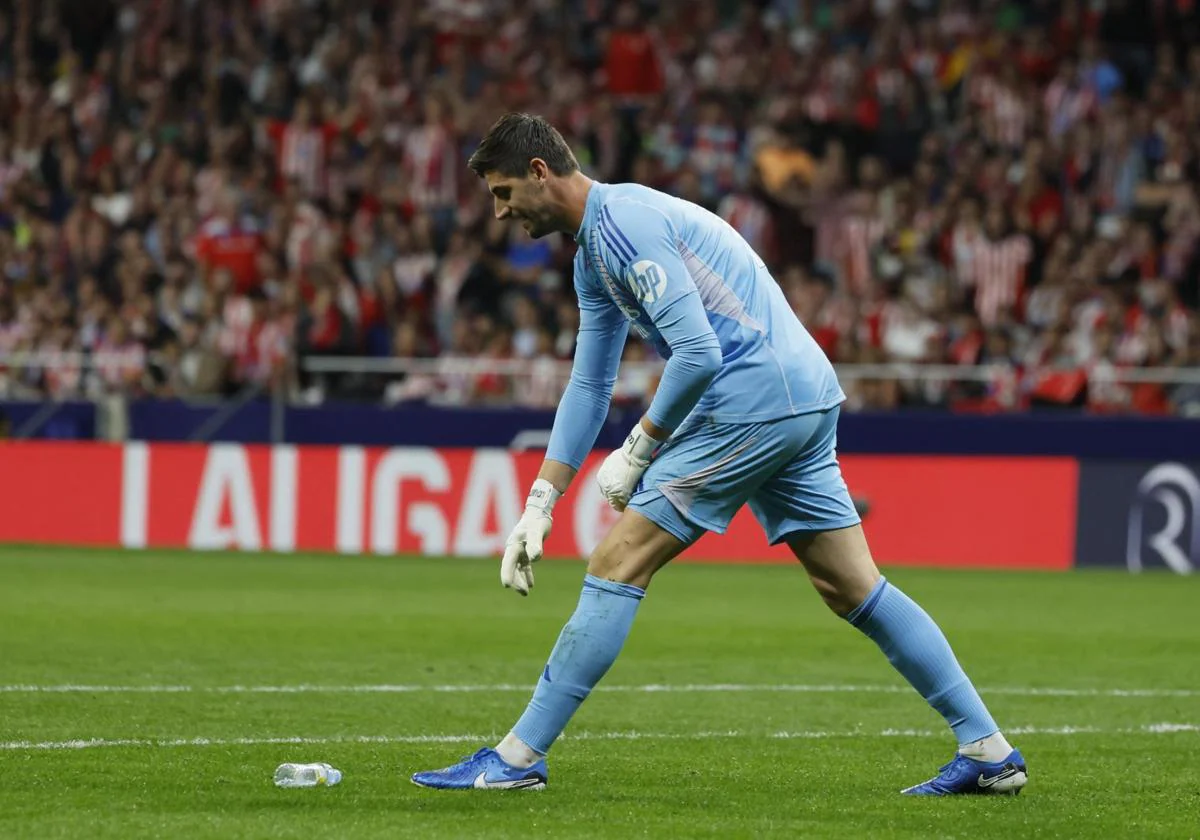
(740, 707)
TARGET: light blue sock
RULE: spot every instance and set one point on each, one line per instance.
(586, 649)
(915, 646)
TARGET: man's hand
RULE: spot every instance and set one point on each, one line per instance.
(524, 545)
(622, 470)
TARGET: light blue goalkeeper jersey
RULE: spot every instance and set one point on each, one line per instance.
(688, 283)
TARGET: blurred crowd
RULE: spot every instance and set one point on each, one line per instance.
(198, 195)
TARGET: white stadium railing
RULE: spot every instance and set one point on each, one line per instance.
(448, 366)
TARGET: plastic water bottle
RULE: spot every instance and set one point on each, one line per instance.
(306, 775)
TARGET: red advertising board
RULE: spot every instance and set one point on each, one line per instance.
(933, 511)
(60, 493)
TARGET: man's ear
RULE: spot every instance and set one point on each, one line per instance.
(539, 170)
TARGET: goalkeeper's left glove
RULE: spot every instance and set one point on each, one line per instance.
(524, 545)
(622, 470)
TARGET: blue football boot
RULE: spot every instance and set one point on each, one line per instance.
(485, 770)
(968, 775)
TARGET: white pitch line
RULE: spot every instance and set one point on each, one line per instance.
(1018, 691)
(97, 689)
(96, 743)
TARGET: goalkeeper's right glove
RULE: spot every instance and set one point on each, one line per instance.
(621, 471)
(524, 545)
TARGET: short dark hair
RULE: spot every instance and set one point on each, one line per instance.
(516, 139)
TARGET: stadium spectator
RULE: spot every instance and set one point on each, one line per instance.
(198, 196)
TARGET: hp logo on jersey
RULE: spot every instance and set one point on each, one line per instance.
(1170, 495)
(646, 280)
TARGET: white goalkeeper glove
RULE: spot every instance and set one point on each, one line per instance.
(524, 545)
(622, 470)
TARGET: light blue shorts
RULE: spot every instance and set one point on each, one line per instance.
(786, 470)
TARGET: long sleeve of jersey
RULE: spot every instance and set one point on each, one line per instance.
(642, 251)
(584, 404)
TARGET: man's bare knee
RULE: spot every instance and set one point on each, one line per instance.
(633, 551)
(841, 603)
(839, 564)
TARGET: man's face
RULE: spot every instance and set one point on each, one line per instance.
(524, 200)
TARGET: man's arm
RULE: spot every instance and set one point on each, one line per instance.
(650, 265)
(585, 402)
(559, 475)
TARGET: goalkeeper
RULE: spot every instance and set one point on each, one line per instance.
(746, 413)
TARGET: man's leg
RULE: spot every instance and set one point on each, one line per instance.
(807, 505)
(841, 568)
(619, 571)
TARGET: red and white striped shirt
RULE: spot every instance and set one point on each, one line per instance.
(117, 364)
(62, 378)
(302, 152)
(1008, 115)
(308, 237)
(237, 318)
(265, 348)
(998, 274)
(1011, 117)
(828, 231)
(431, 163)
(859, 236)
